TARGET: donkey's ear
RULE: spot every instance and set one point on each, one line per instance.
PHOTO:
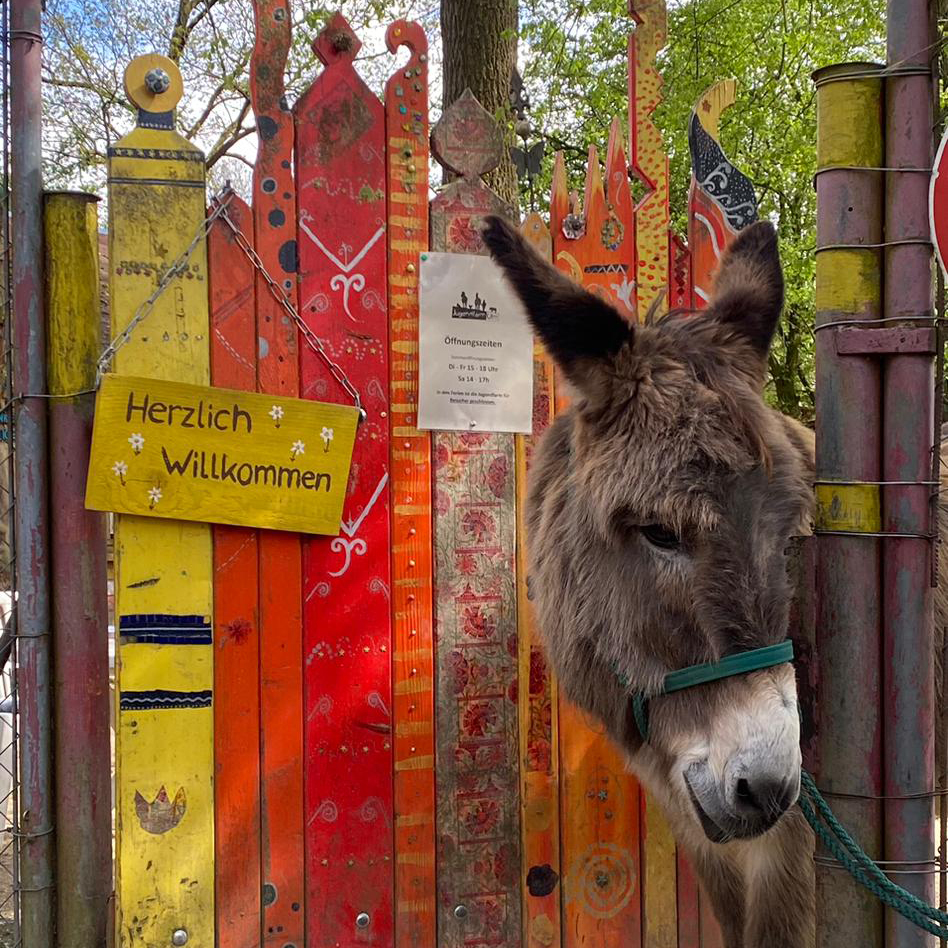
(575, 326)
(748, 289)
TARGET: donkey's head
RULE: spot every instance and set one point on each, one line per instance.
(659, 515)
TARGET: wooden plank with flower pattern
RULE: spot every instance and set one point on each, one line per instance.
(477, 747)
(539, 761)
(280, 562)
(347, 619)
(406, 98)
(599, 800)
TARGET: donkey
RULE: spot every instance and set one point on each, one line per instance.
(659, 508)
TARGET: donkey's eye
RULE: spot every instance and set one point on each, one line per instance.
(660, 537)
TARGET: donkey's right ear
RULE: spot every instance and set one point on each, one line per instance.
(575, 326)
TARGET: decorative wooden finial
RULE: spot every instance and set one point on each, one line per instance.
(337, 41)
(153, 83)
(467, 140)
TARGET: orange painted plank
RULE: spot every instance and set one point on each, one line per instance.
(280, 563)
(599, 800)
(406, 142)
(537, 691)
(236, 629)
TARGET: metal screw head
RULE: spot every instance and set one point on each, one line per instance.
(460, 911)
(158, 81)
(362, 920)
(179, 937)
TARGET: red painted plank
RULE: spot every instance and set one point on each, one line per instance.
(340, 161)
(280, 576)
(236, 629)
(407, 158)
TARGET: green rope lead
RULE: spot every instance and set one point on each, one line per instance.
(851, 856)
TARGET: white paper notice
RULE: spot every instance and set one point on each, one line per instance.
(475, 348)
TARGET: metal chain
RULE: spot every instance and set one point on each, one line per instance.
(312, 340)
(219, 204)
(168, 277)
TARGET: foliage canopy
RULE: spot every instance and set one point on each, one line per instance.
(573, 59)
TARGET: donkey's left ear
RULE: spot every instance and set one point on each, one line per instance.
(581, 331)
(748, 289)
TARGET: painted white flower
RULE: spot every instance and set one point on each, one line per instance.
(623, 292)
(154, 495)
(297, 449)
(327, 435)
(276, 413)
(120, 469)
(137, 442)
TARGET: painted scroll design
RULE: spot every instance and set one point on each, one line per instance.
(477, 745)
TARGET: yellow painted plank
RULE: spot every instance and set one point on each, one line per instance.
(652, 234)
(164, 756)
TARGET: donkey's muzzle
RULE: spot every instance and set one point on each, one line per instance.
(744, 805)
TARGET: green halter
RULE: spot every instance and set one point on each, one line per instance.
(753, 660)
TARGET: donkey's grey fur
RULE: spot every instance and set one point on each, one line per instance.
(660, 505)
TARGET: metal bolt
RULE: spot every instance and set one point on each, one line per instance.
(158, 81)
(362, 919)
(180, 935)
(460, 911)
(410, 268)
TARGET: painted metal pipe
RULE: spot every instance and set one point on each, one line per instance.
(32, 556)
(848, 423)
(908, 438)
(79, 599)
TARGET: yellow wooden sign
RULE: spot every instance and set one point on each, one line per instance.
(189, 452)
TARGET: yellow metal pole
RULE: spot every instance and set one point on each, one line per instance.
(163, 588)
(82, 751)
(849, 190)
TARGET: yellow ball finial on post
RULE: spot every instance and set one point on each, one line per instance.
(153, 83)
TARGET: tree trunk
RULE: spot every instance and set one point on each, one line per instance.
(480, 51)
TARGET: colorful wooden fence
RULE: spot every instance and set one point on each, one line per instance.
(356, 740)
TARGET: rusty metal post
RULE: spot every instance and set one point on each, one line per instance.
(908, 432)
(32, 558)
(79, 596)
(848, 434)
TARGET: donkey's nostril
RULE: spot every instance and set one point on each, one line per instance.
(744, 794)
(762, 796)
